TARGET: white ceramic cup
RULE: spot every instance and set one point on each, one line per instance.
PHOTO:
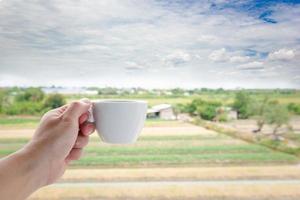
(119, 121)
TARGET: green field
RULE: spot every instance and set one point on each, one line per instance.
(19, 122)
(169, 151)
(225, 97)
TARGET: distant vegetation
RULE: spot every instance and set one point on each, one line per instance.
(270, 108)
(202, 102)
(28, 101)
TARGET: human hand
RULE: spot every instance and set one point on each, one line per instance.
(59, 139)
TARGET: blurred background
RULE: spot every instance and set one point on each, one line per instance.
(221, 78)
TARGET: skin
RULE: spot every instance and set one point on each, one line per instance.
(59, 139)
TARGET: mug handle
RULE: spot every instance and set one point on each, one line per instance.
(91, 116)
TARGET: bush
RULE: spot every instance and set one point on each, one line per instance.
(276, 115)
(205, 109)
(26, 107)
(222, 117)
(242, 104)
(30, 94)
(54, 101)
(294, 108)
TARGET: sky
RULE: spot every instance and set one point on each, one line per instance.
(150, 43)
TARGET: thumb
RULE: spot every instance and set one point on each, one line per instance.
(76, 109)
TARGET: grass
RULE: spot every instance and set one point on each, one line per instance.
(19, 121)
(31, 122)
(185, 150)
(153, 100)
(169, 149)
(161, 123)
(156, 151)
(267, 142)
(226, 98)
(177, 159)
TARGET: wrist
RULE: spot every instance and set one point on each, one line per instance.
(33, 164)
(19, 170)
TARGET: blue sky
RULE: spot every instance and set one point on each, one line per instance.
(148, 43)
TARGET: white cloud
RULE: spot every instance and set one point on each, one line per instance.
(219, 55)
(282, 54)
(176, 58)
(297, 77)
(61, 40)
(222, 55)
(255, 65)
(207, 38)
(133, 66)
(239, 59)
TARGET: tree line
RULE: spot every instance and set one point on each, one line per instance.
(28, 101)
(264, 110)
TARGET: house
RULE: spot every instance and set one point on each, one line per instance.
(162, 111)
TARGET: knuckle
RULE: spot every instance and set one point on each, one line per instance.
(75, 104)
(67, 119)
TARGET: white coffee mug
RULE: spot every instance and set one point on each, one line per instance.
(119, 121)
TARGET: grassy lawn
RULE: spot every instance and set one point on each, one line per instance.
(225, 98)
(19, 121)
(32, 121)
(151, 100)
(168, 151)
(178, 147)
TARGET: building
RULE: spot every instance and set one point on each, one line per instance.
(162, 111)
(69, 90)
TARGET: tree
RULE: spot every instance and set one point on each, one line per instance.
(241, 104)
(30, 94)
(177, 91)
(276, 115)
(191, 108)
(54, 101)
(108, 91)
(258, 109)
(6, 99)
(2, 97)
(294, 108)
(208, 111)
(204, 109)
(178, 108)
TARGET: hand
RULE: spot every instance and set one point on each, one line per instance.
(60, 137)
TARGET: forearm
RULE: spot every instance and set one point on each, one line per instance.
(20, 175)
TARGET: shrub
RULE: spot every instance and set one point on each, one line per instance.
(222, 117)
(54, 101)
(30, 94)
(25, 107)
(242, 104)
(276, 115)
(294, 108)
(205, 109)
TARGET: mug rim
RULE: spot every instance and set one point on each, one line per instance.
(119, 101)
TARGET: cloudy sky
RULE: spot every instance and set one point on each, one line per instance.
(150, 43)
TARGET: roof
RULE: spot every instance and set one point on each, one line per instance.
(158, 108)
